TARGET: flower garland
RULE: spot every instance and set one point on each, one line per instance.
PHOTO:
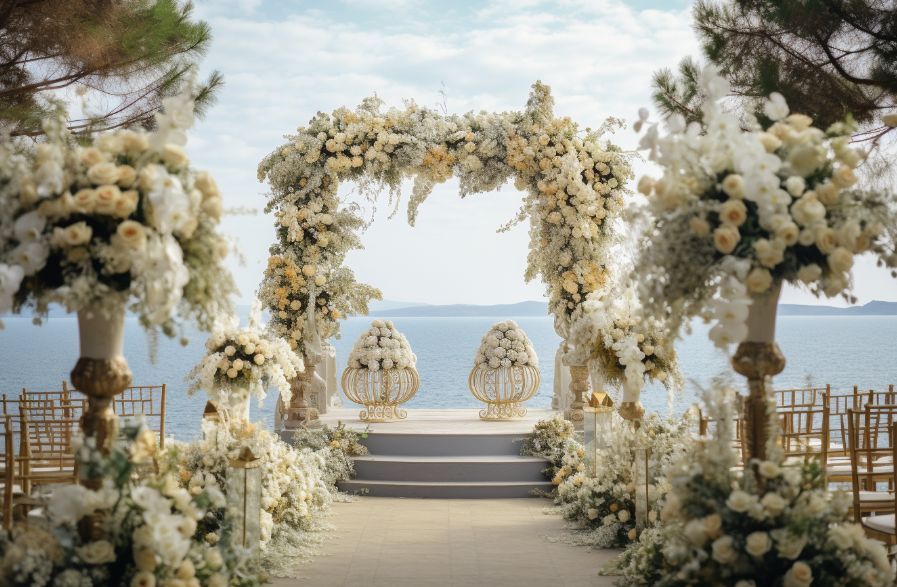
(151, 529)
(506, 345)
(240, 363)
(738, 211)
(552, 440)
(338, 445)
(381, 347)
(574, 186)
(722, 526)
(605, 503)
(124, 217)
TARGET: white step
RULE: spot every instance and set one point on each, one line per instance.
(456, 468)
(446, 490)
(429, 444)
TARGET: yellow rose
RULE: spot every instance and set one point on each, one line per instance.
(758, 280)
(107, 197)
(725, 238)
(103, 173)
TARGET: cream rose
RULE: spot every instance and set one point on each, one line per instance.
(769, 469)
(725, 238)
(788, 232)
(769, 141)
(757, 544)
(758, 280)
(174, 156)
(768, 253)
(826, 240)
(143, 579)
(827, 194)
(840, 260)
(99, 552)
(733, 212)
(740, 501)
(713, 525)
(624, 515)
(132, 233)
(723, 551)
(695, 532)
(103, 173)
(134, 142)
(107, 197)
(809, 273)
(733, 186)
(205, 183)
(127, 175)
(844, 177)
(145, 559)
(83, 200)
(217, 580)
(774, 503)
(699, 226)
(74, 235)
(795, 185)
(91, 156)
(799, 575)
(127, 203)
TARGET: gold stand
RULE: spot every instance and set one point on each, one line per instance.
(757, 361)
(579, 385)
(100, 380)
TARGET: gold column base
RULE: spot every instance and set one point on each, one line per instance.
(757, 361)
(579, 385)
(298, 413)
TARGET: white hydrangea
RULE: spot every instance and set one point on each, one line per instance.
(506, 345)
(382, 347)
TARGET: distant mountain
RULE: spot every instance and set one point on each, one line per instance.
(377, 306)
(467, 310)
(873, 308)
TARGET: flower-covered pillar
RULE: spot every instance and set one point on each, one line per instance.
(758, 358)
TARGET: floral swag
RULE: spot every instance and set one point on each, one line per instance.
(574, 184)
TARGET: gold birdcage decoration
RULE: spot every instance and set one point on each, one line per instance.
(503, 389)
(381, 392)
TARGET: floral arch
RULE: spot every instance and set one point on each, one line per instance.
(573, 181)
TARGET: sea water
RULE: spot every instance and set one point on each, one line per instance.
(839, 350)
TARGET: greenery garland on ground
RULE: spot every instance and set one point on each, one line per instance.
(574, 184)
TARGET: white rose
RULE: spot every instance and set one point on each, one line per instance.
(695, 532)
(757, 544)
(774, 503)
(796, 185)
(776, 108)
(769, 469)
(799, 575)
(788, 545)
(758, 280)
(788, 233)
(725, 238)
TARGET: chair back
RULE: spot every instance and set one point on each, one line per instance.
(147, 401)
(800, 398)
(805, 431)
(871, 446)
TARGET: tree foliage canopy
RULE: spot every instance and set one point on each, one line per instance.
(126, 55)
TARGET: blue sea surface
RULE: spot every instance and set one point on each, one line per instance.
(840, 350)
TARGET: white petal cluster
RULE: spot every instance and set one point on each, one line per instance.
(122, 216)
(381, 347)
(245, 362)
(777, 196)
(506, 345)
(717, 522)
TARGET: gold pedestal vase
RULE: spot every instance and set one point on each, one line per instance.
(579, 385)
(758, 358)
(299, 412)
(101, 373)
(381, 392)
(503, 389)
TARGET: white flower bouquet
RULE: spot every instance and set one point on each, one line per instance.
(123, 217)
(381, 347)
(294, 492)
(781, 528)
(506, 345)
(746, 203)
(605, 504)
(552, 440)
(151, 531)
(242, 363)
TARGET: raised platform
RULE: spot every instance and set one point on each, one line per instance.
(445, 454)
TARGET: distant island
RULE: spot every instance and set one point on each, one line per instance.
(395, 309)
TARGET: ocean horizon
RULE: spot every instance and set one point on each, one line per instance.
(839, 350)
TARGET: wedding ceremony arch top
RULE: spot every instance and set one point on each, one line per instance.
(573, 181)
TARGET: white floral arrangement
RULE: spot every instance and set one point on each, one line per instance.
(574, 184)
(123, 217)
(151, 529)
(553, 440)
(781, 528)
(744, 204)
(604, 504)
(629, 349)
(506, 345)
(241, 363)
(381, 347)
(294, 497)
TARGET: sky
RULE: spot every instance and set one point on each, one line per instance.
(283, 61)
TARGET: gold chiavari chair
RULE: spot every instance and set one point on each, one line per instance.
(8, 468)
(799, 398)
(871, 449)
(805, 432)
(147, 401)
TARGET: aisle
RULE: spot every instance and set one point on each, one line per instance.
(435, 543)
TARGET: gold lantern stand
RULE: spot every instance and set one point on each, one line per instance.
(503, 389)
(244, 494)
(381, 392)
